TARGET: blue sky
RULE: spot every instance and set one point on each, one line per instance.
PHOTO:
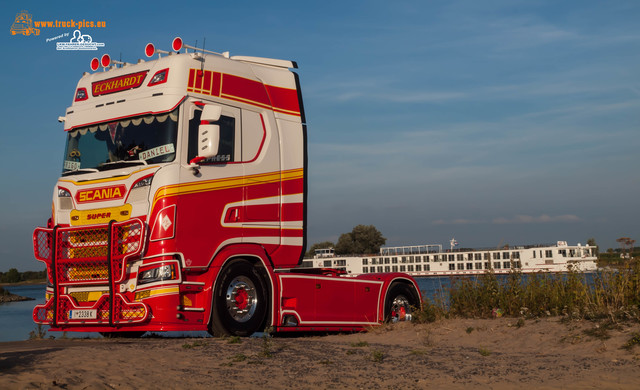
(492, 122)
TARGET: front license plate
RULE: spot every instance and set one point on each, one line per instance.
(85, 314)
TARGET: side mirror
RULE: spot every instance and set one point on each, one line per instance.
(208, 133)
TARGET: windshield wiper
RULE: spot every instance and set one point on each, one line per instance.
(80, 171)
(119, 164)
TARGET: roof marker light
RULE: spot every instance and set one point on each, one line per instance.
(95, 64)
(176, 44)
(105, 60)
(149, 50)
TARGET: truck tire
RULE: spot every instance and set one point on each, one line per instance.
(239, 305)
(402, 299)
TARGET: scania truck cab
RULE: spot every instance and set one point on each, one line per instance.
(182, 206)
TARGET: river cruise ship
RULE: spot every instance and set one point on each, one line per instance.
(432, 260)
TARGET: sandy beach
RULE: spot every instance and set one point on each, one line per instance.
(451, 354)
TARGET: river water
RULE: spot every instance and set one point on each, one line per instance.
(16, 321)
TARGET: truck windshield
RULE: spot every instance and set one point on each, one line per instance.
(141, 139)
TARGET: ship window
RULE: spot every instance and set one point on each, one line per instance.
(451, 257)
(395, 268)
(506, 265)
(534, 254)
(505, 255)
(418, 268)
(410, 268)
(460, 266)
(387, 268)
(365, 261)
(486, 265)
(469, 265)
(452, 267)
(496, 255)
(478, 265)
(394, 260)
(365, 270)
(496, 265)
(386, 260)
(403, 268)
(516, 255)
(485, 256)
(379, 268)
(459, 257)
(548, 253)
(327, 263)
(427, 267)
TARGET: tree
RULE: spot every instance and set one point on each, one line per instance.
(626, 246)
(319, 245)
(12, 276)
(363, 239)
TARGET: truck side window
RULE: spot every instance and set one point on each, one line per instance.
(227, 139)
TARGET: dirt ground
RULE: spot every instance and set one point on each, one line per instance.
(449, 354)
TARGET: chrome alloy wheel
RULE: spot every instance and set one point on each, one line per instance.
(242, 299)
(400, 309)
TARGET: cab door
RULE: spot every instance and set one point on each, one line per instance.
(209, 197)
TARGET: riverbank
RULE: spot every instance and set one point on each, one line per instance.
(25, 283)
(6, 297)
(501, 353)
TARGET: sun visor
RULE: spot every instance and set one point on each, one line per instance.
(89, 115)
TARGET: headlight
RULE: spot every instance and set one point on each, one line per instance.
(143, 182)
(156, 274)
(62, 193)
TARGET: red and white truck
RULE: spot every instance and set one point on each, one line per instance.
(182, 206)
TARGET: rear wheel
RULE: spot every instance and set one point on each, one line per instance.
(400, 303)
(239, 300)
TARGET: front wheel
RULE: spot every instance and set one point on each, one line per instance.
(402, 299)
(240, 300)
